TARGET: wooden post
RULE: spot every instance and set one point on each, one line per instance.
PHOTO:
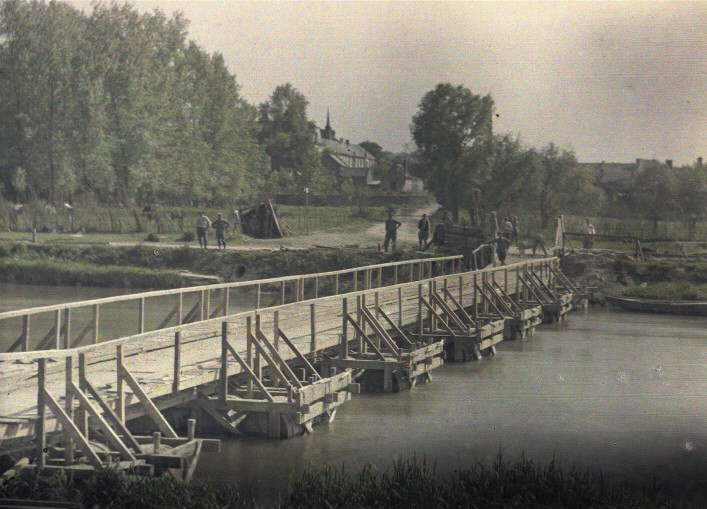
(120, 393)
(223, 389)
(207, 306)
(180, 309)
(57, 331)
(359, 321)
(355, 280)
(41, 437)
(380, 276)
(177, 361)
(344, 347)
(202, 302)
(400, 307)
(395, 274)
(25, 333)
(191, 429)
(226, 301)
(276, 329)
(412, 271)
(282, 291)
(461, 291)
(156, 442)
(313, 328)
(420, 329)
(316, 287)
(475, 301)
(249, 352)
(141, 316)
(69, 407)
(505, 281)
(96, 323)
(257, 297)
(336, 284)
(387, 378)
(302, 289)
(82, 416)
(67, 328)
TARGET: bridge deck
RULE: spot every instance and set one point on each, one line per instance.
(313, 326)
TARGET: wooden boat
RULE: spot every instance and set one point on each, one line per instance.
(676, 307)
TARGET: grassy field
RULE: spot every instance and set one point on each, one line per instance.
(407, 484)
(668, 291)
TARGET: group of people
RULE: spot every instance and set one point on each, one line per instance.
(220, 225)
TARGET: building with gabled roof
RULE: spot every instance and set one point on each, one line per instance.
(344, 159)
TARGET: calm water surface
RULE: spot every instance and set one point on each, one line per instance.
(621, 392)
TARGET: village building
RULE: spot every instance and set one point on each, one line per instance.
(344, 159)
(617, 180)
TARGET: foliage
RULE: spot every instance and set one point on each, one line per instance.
(410, 483)
(450, 122)
(117, 104)
(668, 291)
(655, 193)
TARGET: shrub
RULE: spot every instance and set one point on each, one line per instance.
(187, 237)
(152, 237)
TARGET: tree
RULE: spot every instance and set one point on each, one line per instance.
(287, 135)
(372, 148)
(691, 195)
(450, 121)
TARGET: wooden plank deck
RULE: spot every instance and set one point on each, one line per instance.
(312, 325)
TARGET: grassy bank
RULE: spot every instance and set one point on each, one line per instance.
(668, 291)
(147, 267)
(408, 484)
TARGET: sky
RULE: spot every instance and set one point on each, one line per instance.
(613, 81)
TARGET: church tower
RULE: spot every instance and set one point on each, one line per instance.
(328, 133)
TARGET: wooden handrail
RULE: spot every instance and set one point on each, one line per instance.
(218, 286)
(63, 353)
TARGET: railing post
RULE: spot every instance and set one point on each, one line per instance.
(180, 309)
(41, 437)
(316, 287)
(420, 322)
(223, 389)
(82, 417)
(257, 297)
(461, 291)
(505, 281)
(96, 322)
(313, 327)
(344, 346)
(202, 303)
(301, 288)
(355, 280)
(282, 291)
(226, 301)
(336, 284)
(120, 393)
(475, 303)
(177, 361)
(400, 307)
(67, 328)
(395, 274)
(207, 310)
(25, 333)
(57, 332)
(156, 442)
(69, 407)
(141, 316)
(380, 276)
(276, 329)
(412, 271)
(249, 352)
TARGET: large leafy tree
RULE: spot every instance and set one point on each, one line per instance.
(691, 195)
(450, 122)
(655, 194)
(287, 136)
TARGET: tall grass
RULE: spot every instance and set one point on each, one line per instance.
(668, 291)
(409, 483)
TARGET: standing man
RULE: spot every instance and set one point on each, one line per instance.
(220, 225)
(202, 226)
(502, 244)
(589, 232)
(508, 229)
(539, 242)
(423, 231)
(391, 231)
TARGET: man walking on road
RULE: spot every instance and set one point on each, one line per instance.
(391, 231)
(220, 225)
(202, 226)
(423, 231)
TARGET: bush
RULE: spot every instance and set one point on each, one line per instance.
(152, 237)
(187, 237)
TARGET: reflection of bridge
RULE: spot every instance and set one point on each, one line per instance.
(273, 371)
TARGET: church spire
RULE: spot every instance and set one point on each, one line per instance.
(328, 133)
(328, 123)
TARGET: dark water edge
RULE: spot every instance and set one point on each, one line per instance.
(619, 393)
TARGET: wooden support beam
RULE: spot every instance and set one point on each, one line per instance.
(297, 353)
(395, 327)
(147, 403)
(460, 308)
(381, 332)
(250, 372)
(69, 425)
(41, 425)
(365, 337)
(111, 416)
(488, 300)
(451, 315)
(281, 365)
(269, 359)
(69, 408)
(120, 391)
(103, 424)
(223, 375)
(344, 345)
(177, 366)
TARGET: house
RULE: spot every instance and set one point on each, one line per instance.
(617, 180)
(344, 159)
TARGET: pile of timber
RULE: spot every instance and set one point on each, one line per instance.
(260, 221)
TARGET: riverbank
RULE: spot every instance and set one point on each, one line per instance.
(617, 273)
(407, 484)
(158, 268)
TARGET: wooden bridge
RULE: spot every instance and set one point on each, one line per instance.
(274, 371)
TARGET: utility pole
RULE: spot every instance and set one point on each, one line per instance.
(306, 210)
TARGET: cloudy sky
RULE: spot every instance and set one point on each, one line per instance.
(613, 81)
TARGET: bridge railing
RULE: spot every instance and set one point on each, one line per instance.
(68, 325)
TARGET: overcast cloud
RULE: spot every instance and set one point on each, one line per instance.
(613, 81)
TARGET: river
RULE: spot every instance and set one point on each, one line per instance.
(621, 392)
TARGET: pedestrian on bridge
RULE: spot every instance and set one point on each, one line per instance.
(391, 231)
(221, 225)
(202, 226)
(502, 244)
(423, 231)
(539, 242)
(589, 232)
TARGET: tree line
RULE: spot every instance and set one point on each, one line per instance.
(469, 167)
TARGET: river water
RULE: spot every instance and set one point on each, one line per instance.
(621, 392)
